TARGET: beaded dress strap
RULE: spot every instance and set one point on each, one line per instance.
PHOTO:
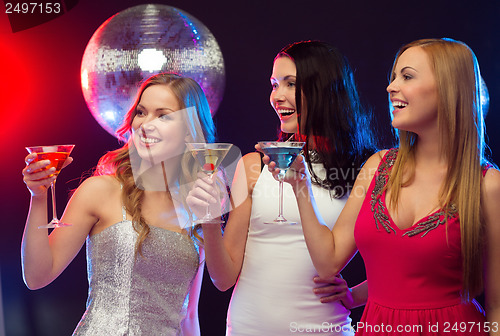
(124, 211)
(486, 167)
(380, 212)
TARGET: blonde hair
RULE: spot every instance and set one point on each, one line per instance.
(461, 126)
(200, 125)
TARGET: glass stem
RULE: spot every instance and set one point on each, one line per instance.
(281, 176)
(208, 215)
(53, 193)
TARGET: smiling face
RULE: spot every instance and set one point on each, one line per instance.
(159, 129)
(413, 92)
(282, 97)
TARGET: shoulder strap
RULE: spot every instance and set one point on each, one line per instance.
(124, 211)
(486, 167)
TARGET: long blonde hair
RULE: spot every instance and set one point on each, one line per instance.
(117, 163)
(461, 126)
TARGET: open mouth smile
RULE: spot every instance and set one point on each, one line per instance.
(148, 140)
(399, 104)
(286, 112)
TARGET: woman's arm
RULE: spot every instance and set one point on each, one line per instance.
(35, 250)
(330, 250)
(359, 294)
(224, 255)
(491, 208)
(44, 257)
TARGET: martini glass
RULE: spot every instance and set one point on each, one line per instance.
(57, 155)
(283, 153)
(209, 156)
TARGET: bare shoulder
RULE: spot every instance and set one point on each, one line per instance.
(374, 160)
(252, 163)
(99, 185)
(97, 191)
(91, 202)
(490, 199)
(491, 185)
(369, 168)
(251, 159)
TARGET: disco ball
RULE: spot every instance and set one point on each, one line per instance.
(139, 42)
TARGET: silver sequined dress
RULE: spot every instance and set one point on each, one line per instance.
(131, 295)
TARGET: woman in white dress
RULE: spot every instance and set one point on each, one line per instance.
(315, 97)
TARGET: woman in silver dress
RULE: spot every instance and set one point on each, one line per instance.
(144, 257)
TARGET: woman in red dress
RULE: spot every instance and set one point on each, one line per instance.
(425, 216)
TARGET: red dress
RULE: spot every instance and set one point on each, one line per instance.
(414, 275)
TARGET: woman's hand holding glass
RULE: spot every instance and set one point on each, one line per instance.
(54, 158)
(37, 177)
(296, 175)
(205, 193)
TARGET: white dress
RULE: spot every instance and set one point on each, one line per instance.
(274, 293)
